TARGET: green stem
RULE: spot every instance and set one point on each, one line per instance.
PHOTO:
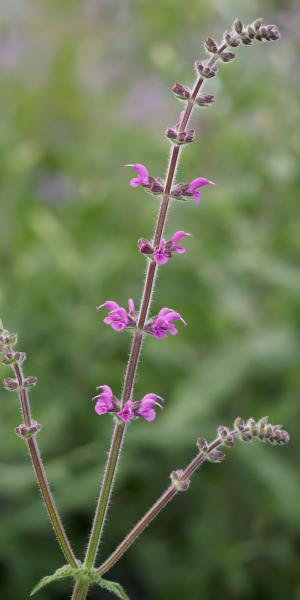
(104, 496)
(80, 591)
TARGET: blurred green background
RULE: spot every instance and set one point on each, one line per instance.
(85, 88)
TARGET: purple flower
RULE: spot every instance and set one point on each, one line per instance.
(163, 323)
(105, 400)
(117, 316)
(165, 250)
(146, 407)
(127, 413)
(142, 175)
(195, 185)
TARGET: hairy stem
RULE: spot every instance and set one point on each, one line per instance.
(80, 591)
(40, 471)
(164, 499)
(119, 430)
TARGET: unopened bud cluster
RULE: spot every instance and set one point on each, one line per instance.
(246, 34)
(27, 432)
(247, 431)
(260, 430)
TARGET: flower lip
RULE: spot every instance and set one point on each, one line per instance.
(195, 185)
(142, 175)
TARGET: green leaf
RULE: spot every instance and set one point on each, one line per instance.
(110, 586)
(61, 573)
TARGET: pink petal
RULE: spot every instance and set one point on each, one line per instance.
(134, 182)
(178, 235)
(197, 183)
(173, 330)
(131, 306)
(180, 249)
(142, 174)
(118, 326)
(160, 258)
(105, 388)
(149, 415)
(110, 305)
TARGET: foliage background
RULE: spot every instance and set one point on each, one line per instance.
(85, 88)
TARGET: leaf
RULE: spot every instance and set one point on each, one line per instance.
(111, 586)
(61, 573)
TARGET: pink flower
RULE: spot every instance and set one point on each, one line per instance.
(105, 400)
(146, 407)
(163, 323)
(127, 413)
(166, 250)
(117, 316)
(195, 185)
(142, 175)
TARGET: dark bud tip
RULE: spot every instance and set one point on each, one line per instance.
(145, 246)
(231, 40)
(246, 40)
(181, 91)
(251, 32)
(202, 444)
(171, 133)
(10, 384)
(210, 45)
(30, 381)
(205, 99)
(257, 24)
(216, 456)
(238, 26)
(204, 70)
(227, 56)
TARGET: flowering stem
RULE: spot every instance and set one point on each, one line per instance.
(164, 499)
(119, 430)
(40, 471)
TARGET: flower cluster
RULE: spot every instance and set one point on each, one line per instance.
(106, 402)
(156, 185)
(161, 324)
(118, 317)
(165, 250)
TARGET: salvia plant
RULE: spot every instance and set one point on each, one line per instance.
(125, 408)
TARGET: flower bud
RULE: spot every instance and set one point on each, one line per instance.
(145, 246)
(181, 91)
(238, 26)
(216, 456)
(202, 444)
(257, 24)
(204, 70)
(27, 432)
(239, 424)
(246, 40)
(227, 56)
(231, 40)
(10, 384)
(11, 358)
(156, 185)
(182, 485)
(205, 99)
(30, 381)
(226, 437)
(171, 133)
(251, 32)
(210, 45)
